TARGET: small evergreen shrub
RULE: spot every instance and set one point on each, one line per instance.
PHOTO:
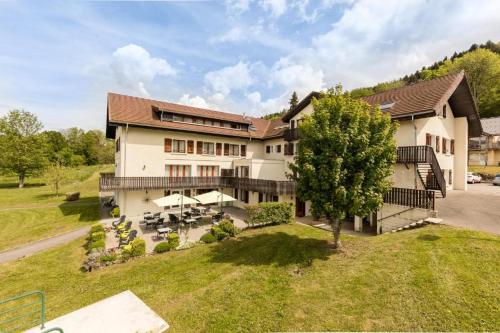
(229, 228)
(162, 247)
(173, 239)
(110, 257)
(98, 227)
(218, 233)
(208, 238)
(115, 212)
(269, 213)
(99, 244)
(137, 247)
(95, 236)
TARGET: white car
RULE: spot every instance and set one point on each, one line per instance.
(496, 180)
(473, 178)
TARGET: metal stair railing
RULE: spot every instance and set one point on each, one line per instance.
(20, 315)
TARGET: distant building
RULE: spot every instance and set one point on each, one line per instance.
(485, 150)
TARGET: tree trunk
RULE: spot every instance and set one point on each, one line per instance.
(21, 180)
(336, 226)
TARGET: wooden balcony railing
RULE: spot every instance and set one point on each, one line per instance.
(434, 178)
(411, 197)
(111, 183)
(291, 134)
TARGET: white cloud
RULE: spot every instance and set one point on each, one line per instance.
(275, 7)
(133, 68)
(230, 78)
(301, 77)
(254, 97)
(195, 101)
(232, 35)
(237, 6)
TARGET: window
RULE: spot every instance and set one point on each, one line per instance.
(188, 119)
(261, 197)
(428, 139)
(190, 147)
(117, 145)
(236, 191)
(450, 177)
(292, 124)
(235, 126)
(452, 147)
(234, 150)
(178, 170)
(179, 146)
(245, 171)
(208, 148)
(208, 170)
(208, 122)
(278, 149)
(199, 121)
(244, 196)
(269, 149)
(437, 144)
(445, 148)
(243, 150)
(226, 149)
(218, 148)
(216, 123)
(199, 147)
(444, 111)
(167, 145)
(177, 118)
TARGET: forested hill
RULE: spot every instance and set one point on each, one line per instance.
(481, 63)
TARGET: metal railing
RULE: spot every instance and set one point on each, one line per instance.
(19, 315)
(420, 155)
(109, 182)
(484, 146)
(291, 134)
(411, 197)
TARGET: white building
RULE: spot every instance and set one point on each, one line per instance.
(164, 148)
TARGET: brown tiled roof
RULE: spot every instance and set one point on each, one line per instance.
(425, 96)
(123, 109)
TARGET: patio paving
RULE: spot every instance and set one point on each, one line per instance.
(194, 233)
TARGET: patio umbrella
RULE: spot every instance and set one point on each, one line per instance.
(214, 197)
(175, 200)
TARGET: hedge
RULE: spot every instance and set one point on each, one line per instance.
(97, 227)
(162, 247)
(136, 248)
(269, 213)
(95, 236)
(208, 238)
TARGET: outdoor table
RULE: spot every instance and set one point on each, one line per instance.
(189, 220)
(163, 231)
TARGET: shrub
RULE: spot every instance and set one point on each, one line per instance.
(208, 238)
(98, 227)
(137, 247)
(110, 257)
(229, 228)
(218, 233)
(115, 212)
(99, 244)
(163, 247)
(269, 213)
(95, 236)
(173, 239)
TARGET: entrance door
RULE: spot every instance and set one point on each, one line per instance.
(300, 208)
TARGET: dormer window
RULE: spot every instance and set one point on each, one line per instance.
(386, 105)
(166, 115)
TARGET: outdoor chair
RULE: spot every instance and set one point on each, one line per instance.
(159, 222)
(124, 227)
(217, 217)
(116, 223)
(131, 236)
(173, 218)
(156, 215)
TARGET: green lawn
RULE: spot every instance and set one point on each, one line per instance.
(34, 212)
(286, 278)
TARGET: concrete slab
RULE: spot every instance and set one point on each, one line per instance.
(121, 313)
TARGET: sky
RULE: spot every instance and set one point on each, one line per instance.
(59, 59)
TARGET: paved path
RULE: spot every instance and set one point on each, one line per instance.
(41, 245)
(478, 208)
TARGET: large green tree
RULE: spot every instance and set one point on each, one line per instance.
(22, 147)
(294, 100)
(345, 156)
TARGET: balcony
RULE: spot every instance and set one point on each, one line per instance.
(291, 134)
(108, 182)
(484, 146)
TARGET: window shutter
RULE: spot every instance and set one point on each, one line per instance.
(437, 144)
(199, 147)
(226, 149)
(285, 148)
(452, 147)
(190, 148)
(444, 146)
(243, 150)
(218, 148)
(290, 146)
(428, 139)
(168, 145)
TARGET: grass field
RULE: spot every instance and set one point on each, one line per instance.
(286, 278)
(34, 212)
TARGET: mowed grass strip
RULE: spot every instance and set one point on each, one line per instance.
(287, 278)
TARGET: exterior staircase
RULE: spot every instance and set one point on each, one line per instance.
(428, 168)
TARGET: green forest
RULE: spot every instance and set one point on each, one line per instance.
(481, 64)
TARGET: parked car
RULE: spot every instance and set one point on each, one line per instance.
(496, 180)
(473, 178)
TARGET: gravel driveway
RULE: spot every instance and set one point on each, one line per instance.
(477, 208)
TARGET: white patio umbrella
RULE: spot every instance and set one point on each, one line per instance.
(214, 197)
(175, 199)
